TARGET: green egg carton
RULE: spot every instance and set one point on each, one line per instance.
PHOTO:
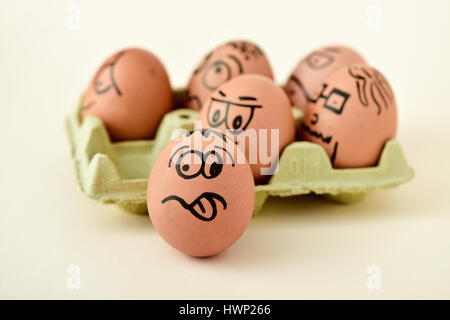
(118, 172)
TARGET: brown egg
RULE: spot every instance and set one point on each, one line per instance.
(354, 116)
(306, 81)
(200, 193)
(130, 93)
(257, 114)
(222, 64)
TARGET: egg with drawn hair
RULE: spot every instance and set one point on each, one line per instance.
(227, 61)
(130, 93)
(201, 193)
(307, 78)
(354, 116)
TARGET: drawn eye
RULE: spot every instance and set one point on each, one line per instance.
(102, 82)
(336, 100)
(203, 63)
(104, 79)
(237, 122)
(216, 74)
(239, 118)
(189, 164)
(213, 165)
(216, 114)
(319, 60)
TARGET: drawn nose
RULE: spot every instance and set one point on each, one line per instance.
(315, 118)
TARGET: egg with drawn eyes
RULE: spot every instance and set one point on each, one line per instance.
(227, 61)
(201, 193)
(130, 93)
(306, 81)
(256, 113)
(354, 116)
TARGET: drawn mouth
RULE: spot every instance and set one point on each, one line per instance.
(316, 134)
(324, 139)
(204, 207)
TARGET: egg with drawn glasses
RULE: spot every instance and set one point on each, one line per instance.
(201, 193)
(130, 93)
(354, 116)
(257, 114)
(306, 81)
(221, 65)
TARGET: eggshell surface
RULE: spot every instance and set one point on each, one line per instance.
(355, 115)
(130, 93)
(222, 64)
(257, 114)
(306, 81)
(200, 197)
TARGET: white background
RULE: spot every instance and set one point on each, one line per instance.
(296, 248)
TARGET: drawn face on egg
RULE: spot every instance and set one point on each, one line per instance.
(256, 113)
(193, 198)
(306, 81)
(130, 93)
(207, 163)
(233, 115)
(221, 65)
(353, 117)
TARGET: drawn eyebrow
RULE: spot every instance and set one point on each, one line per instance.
(222, 93)
(174, 154)
(247, 98)
(241, 70)
(206, 132)
(229, 154)
(236, 104)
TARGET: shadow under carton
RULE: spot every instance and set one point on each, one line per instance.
(118, 172)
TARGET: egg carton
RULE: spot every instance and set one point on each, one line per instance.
(118, 172)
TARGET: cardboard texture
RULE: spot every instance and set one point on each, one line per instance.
(118, 172)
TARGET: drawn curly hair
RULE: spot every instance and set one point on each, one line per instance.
(247, 49)
(371, 85)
